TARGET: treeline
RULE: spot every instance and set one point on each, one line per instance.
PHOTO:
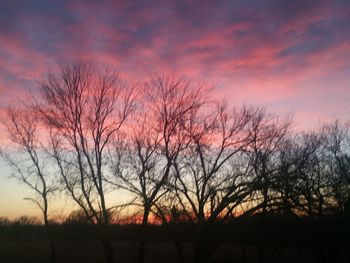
(300, 232)
(169, 150)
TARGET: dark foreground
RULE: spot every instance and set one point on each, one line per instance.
(272, 240)
(91, 252)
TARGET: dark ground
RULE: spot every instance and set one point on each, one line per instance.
(22, 251)
(282, 240)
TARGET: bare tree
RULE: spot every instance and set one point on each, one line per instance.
(337, 157)
(84, 110)
(157, 140)
(29, 162)
(312, 177)
(310, 173)
(181, 156)
(214, 177)
(205, 181)
(267, 133)
(290, 159)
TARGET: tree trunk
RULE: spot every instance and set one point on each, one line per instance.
(106, 243)
(179, 251)
(142, 241)
(107, 250)
(51, 240)
(177, 242)
(199, 245)
(141, 250)
(53, 251)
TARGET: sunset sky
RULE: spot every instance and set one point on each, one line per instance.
(286, 55)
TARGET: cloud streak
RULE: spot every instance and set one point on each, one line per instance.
(286, 55)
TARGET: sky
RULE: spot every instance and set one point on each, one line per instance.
(290, 56)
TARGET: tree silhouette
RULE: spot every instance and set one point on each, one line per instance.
(215, 180)
(267, 133)
(28, 161)
(157, 140)
(186, 160)
(85, 110)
